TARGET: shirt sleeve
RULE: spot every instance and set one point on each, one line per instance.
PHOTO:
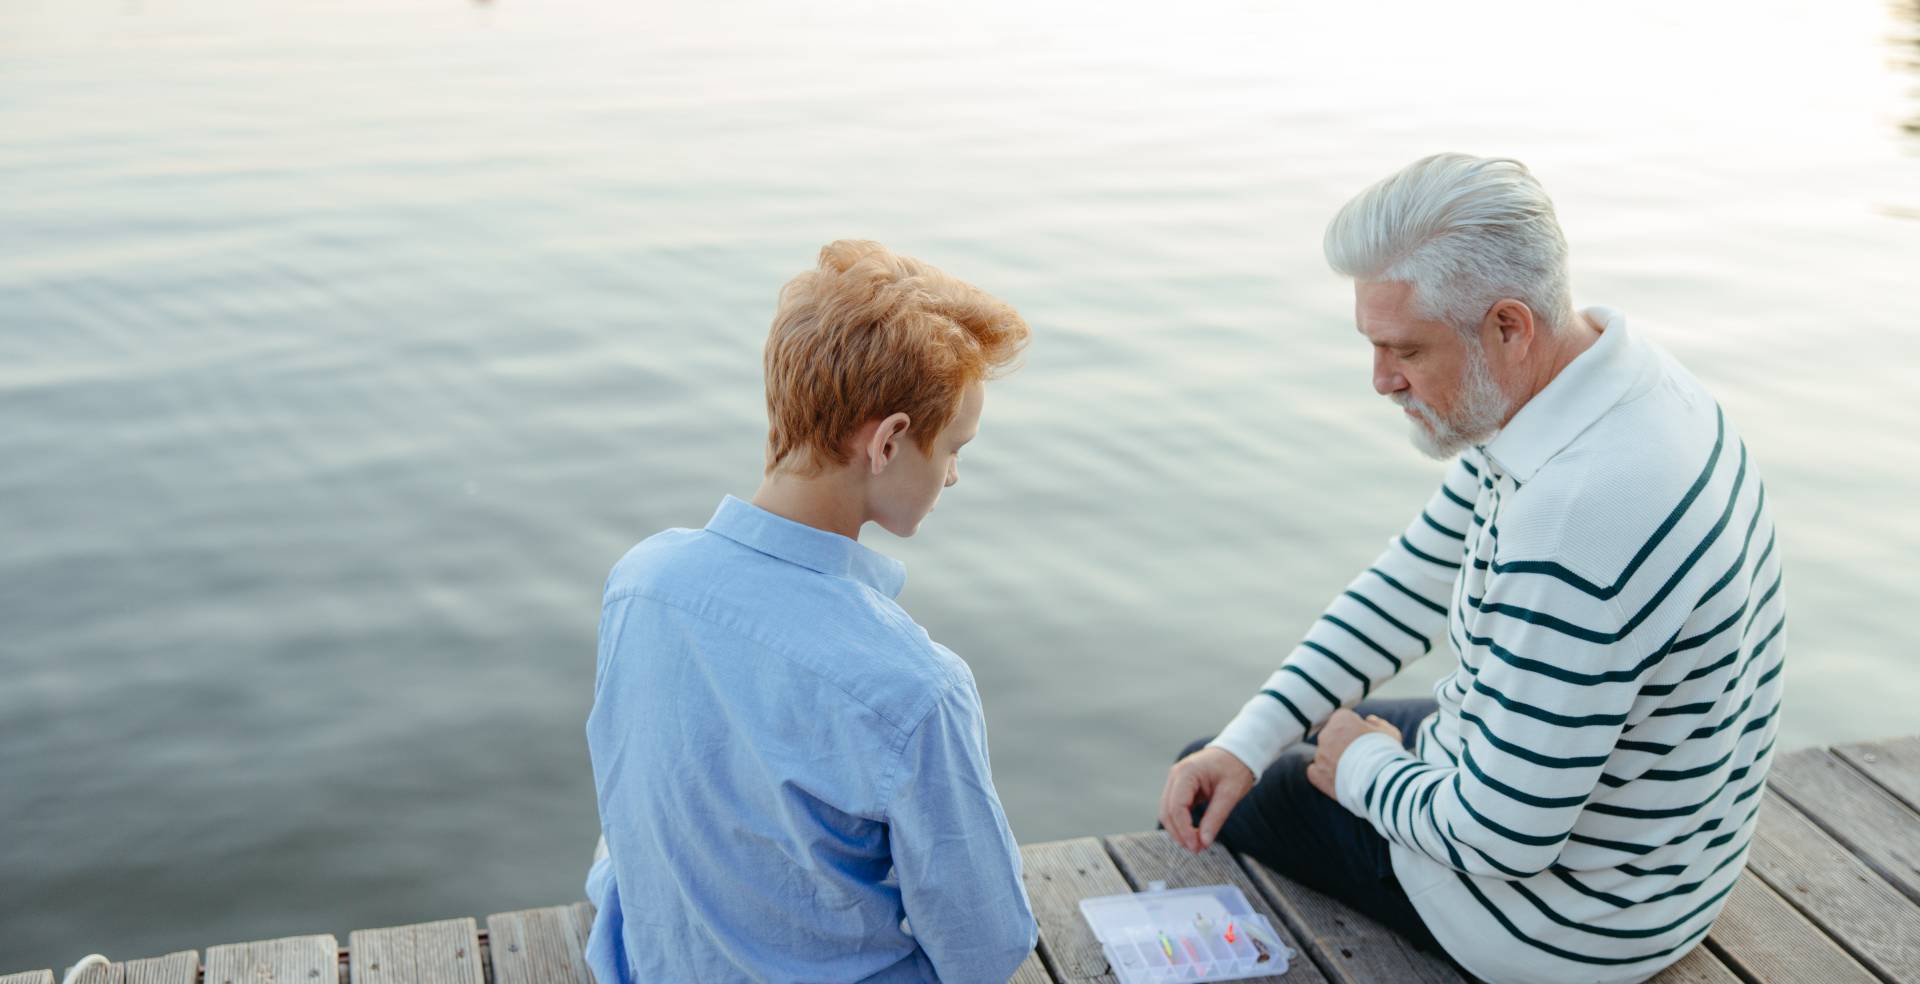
(1388, 617)
(956, 859)
(1535, 734)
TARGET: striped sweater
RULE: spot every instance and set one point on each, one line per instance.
(1604, 578)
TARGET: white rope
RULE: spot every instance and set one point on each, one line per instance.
(89, 961)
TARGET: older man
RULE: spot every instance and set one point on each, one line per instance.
(1599, 567)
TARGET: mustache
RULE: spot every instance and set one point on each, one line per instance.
(1407, 401)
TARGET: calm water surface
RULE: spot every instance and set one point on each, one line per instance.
(344, 346)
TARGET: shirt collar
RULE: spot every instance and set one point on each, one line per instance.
(815, 549)
(1585, 390)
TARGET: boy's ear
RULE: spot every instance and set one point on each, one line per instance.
(884, 444)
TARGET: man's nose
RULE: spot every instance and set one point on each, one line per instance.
(953, 474)
(1386, 376)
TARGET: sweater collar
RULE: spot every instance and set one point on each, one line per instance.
(1585, 390)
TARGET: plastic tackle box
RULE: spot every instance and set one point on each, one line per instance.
(1208, 933)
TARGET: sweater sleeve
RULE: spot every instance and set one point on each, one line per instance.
(1535, 735)
(1387, 617)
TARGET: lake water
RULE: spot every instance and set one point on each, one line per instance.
(344, 346)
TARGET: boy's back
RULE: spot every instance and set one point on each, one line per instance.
(786, 765)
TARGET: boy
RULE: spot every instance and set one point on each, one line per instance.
(792, 777)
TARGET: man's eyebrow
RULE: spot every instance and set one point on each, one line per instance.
(1399, 340)
(1388, 340)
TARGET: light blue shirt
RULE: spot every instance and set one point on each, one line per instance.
(792, 776)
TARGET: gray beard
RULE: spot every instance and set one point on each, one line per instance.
(1475, 420)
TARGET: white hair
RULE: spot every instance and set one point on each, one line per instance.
(1465, 231)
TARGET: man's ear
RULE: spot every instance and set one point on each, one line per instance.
(884, 443)
(1512, 320)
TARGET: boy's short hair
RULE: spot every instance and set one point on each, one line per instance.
(870, 333)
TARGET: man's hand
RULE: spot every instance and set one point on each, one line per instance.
(1210, 774)
(1339, 732)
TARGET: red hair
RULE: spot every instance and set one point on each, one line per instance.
(869, 333)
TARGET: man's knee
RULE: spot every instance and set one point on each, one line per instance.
(1193, 746)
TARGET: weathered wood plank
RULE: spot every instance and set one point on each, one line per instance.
(1837, 892)
(1865, 819)
(107, 973)
(1153, 856)
(1347, 945)
(1058, 875)
(1758, 934)
(540, 946)
(1699, 966)
(293, 960)
(1894, 763)
(445, 952)
(28, 977)
(1031, 972)
(174, 968)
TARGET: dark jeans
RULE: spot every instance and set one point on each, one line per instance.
(1307, 836)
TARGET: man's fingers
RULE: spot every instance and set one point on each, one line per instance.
(1321, 777)
(1166, 799)
(1218, 809)
(1176, 807)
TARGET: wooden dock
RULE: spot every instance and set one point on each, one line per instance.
(1831, 894)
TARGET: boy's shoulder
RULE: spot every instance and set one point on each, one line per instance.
(659, 558)
(834, 632)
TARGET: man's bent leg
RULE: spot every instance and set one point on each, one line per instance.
(1300, 832)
